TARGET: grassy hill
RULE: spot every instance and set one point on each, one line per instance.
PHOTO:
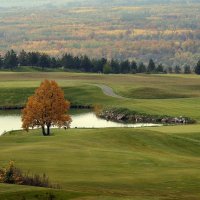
(109, 164)
(142, 164)
(174, 95)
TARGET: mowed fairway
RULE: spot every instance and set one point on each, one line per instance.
(158, 163)
(108, 163)
(174, 95)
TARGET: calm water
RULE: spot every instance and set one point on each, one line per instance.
(9, 122)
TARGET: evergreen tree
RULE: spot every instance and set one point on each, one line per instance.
(33, 58)
(160, 68)
(98, 65)
(54, 63)
(133, 67)
(141, 68)
(1, 62)
(125, 67)
(197, 68)
(187, 69)
(22, 58)
(115, 66)
(77, 62)
(67, 61)
(151, 66)
(44, 61)
(177, 69)
(86, 64)
(10, 60)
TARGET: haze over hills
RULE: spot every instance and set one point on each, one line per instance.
(27, 3)
(167, 30)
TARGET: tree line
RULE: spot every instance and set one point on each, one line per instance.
(11, 60)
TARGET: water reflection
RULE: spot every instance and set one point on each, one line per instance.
(83, 120)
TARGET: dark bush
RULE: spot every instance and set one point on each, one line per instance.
(13, 175)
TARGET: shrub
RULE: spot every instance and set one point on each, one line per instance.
(13, 175)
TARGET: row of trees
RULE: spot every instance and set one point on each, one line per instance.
(84, 64)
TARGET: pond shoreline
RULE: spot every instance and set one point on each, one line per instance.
(126, 116)
(22, 107)
(122, 115)
(86, 119)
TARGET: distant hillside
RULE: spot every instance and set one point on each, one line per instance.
(166, 30)
(28, 3)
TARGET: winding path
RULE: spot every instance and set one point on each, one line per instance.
(109, 91)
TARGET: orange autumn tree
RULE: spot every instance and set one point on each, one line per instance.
(46, 108)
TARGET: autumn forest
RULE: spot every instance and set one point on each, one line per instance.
(165, 31)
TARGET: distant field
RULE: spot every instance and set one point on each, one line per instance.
(175, 95)
(108, 164)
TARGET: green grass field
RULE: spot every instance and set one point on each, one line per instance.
(174, 95)
(143, 164)
(158, 163)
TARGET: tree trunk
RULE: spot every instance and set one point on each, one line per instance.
(43, 131)
(48, 130)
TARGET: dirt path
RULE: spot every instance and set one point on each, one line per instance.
(109, 91)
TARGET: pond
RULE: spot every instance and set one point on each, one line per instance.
(80, 119)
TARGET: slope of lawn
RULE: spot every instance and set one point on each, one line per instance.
(174, 95)
(32, 69)
(11, 192)
(141, 164)
(161, 163)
